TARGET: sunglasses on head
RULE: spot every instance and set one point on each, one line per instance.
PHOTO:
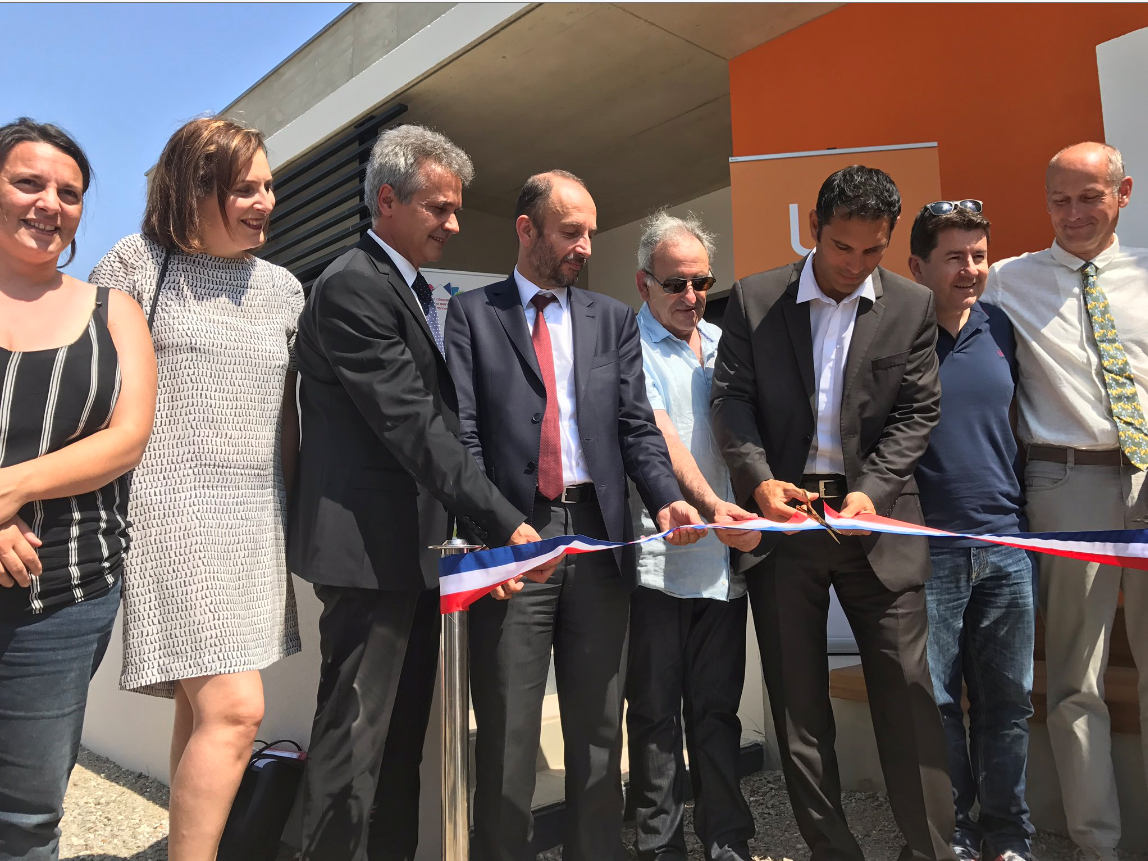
(944, 207)
(678, 285)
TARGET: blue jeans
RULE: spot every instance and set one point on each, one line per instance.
(46, 663)
(981, 621)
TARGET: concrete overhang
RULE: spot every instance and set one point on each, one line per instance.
(633, 97)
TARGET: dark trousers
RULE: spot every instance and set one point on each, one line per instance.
(46, 663)
(361, 783)
(581, 612)
(687, 667)
(789, 592)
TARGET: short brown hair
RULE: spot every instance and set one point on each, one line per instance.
(206, 157)
(536, 192)
(927, 227)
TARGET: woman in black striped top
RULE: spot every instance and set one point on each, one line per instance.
(77, 400)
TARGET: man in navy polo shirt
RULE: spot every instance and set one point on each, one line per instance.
(980, 598)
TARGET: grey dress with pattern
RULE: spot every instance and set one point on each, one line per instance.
(206, 589)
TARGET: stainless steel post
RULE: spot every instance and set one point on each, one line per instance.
(455, 726)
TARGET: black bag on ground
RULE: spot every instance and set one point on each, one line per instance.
(255, 825)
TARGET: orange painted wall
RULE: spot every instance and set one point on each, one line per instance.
(999, 87)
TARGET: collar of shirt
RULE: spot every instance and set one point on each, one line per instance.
(527, 290)
(408, 272)
(1071, 261)
(808, 289)
(655, 332)
(978, 320)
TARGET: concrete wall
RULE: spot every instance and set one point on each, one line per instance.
(614, 261)
(351, 43)
(485, 243)
(1123, 65)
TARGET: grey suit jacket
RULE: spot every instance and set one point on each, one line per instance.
(764, 403)
(501, 399)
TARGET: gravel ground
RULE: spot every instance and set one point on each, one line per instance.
(868, 814)
(118, 815)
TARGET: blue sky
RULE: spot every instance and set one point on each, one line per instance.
(121, 77)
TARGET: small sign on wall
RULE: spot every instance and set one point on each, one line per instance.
(772, 196)
(447, 282)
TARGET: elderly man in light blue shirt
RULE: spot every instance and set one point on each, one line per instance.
(688, 615)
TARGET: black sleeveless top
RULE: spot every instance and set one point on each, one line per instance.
(49, 398)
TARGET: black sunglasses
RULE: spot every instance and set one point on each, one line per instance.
(944, 207)
(678, 285)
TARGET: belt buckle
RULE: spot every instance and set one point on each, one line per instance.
(821, 482)
(566, 498)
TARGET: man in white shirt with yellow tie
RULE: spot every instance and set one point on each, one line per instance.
(1080, 310)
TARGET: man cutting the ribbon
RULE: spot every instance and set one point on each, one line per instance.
(552, 405)
(1080, 310)
(826, 386)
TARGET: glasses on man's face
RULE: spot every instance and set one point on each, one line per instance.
(678, 285)
(944, 207)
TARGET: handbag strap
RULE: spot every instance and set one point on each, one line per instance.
(158, 286)
(271, 744)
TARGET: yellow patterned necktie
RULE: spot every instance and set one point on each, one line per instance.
(1131, 428)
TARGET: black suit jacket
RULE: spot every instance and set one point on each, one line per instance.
(764, 403)
(380, 462)
(501, 399)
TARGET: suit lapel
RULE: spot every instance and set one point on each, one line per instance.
(585, 329)
(507, 304)
(800, 335)
(387, 268)
(864, 329)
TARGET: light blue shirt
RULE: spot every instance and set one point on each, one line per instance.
(679, 385)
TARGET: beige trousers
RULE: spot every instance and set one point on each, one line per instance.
(1078, 601)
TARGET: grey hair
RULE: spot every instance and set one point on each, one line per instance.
(661, 227)
(397, 159)
(1112, 154)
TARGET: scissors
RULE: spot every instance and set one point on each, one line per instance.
(805, 508)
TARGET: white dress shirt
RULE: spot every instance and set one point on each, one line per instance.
(1061, 395)
(404, 266)
(831, 324)
(561, 327)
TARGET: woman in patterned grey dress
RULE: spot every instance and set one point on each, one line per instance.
(207, 597)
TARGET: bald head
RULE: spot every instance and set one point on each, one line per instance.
(1097, 159)
(555, 218)
(1086, 188)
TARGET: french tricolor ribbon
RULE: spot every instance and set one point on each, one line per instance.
(466, 578)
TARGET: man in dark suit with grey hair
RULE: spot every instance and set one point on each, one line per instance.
(379, 470)
(826, 388)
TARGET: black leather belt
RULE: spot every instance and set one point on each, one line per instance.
(577, 493)
(1057, 454)
(825, 486)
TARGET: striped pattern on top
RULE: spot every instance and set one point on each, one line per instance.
(49, 398)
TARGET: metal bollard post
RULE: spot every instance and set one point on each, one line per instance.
(455, 726)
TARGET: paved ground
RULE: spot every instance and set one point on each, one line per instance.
(117, 815)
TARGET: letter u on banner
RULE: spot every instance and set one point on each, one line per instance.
(770, 230)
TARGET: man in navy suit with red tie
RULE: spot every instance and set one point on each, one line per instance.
(552, 405)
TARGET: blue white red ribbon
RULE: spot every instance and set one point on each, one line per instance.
(464, 579)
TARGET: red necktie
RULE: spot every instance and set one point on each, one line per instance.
(550, 482)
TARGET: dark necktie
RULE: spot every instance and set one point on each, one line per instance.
(1131, 429)
(550, 446)
(426, 300)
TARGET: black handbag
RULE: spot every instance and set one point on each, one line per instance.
(266, 794)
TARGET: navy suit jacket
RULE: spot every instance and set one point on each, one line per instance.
(501, 398)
